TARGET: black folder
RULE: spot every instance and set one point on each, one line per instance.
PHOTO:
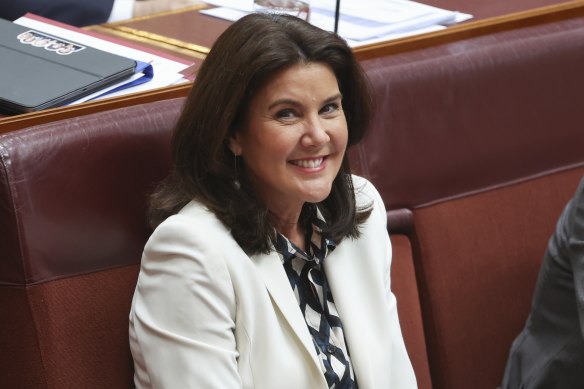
(39, 71)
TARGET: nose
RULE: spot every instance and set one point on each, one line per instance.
(315, 134)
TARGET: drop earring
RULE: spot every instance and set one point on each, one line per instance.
(236, 183)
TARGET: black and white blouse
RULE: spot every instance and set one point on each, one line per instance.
(308, 280)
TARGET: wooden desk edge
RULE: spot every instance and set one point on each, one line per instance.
(11, 123)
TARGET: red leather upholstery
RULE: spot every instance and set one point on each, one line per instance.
(404, 286)
(475, 114)
(482, 140)
(477, 259)
(72, 203)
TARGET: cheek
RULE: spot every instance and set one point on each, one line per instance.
(269, 152)
(341, 135)
(280, 143)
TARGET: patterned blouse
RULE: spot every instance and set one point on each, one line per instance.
(310, 285)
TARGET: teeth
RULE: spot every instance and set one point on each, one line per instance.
(308, 163)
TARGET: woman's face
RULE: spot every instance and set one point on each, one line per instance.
(294, 138)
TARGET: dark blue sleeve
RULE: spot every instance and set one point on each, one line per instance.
(74, 12)
(576, 250)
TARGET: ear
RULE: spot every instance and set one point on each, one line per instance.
(234, 145)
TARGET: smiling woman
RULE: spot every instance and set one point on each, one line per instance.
(293, 142)
(269, 264)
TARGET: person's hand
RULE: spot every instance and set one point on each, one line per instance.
(147, 7)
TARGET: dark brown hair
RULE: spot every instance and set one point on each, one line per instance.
(250, 51)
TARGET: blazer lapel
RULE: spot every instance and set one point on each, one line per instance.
(274, 276)
(347, 288)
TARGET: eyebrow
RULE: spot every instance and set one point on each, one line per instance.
(296, 103)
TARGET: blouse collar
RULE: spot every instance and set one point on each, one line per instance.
(317, 244)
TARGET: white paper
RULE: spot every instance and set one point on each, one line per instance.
(397, 35)
(355, 28)
(226, 13)
(381, 11)
(241, 5)
(362, 21)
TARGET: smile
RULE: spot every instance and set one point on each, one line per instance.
(308, 163)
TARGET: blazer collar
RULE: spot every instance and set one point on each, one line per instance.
(272, 271)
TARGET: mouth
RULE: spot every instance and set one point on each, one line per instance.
(309, 163)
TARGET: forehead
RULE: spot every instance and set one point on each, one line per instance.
(313, 81)
(301, 78)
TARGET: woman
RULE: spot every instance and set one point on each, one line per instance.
(269, 265)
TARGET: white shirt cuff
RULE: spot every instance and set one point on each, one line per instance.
(122, 9)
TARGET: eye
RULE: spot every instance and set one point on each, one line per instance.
(286, 114)
(330, 108)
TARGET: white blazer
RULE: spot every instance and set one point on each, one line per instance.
(206, 315)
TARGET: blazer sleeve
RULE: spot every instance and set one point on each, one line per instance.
(73, 12)
(400, 370)
(183, 313)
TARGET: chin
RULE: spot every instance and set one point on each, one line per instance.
(318, 195)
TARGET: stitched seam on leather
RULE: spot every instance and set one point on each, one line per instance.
(4, 156)
(501, 185)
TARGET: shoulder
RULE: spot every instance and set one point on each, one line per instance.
(366, 196)
(579, 197)
(574, 220)
(571, 222)
(188, 247)
(193, 227)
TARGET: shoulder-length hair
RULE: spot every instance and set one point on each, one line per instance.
(241, 60)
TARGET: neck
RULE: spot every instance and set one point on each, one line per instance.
(293, 231)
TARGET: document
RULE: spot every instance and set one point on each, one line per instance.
(361, 22)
